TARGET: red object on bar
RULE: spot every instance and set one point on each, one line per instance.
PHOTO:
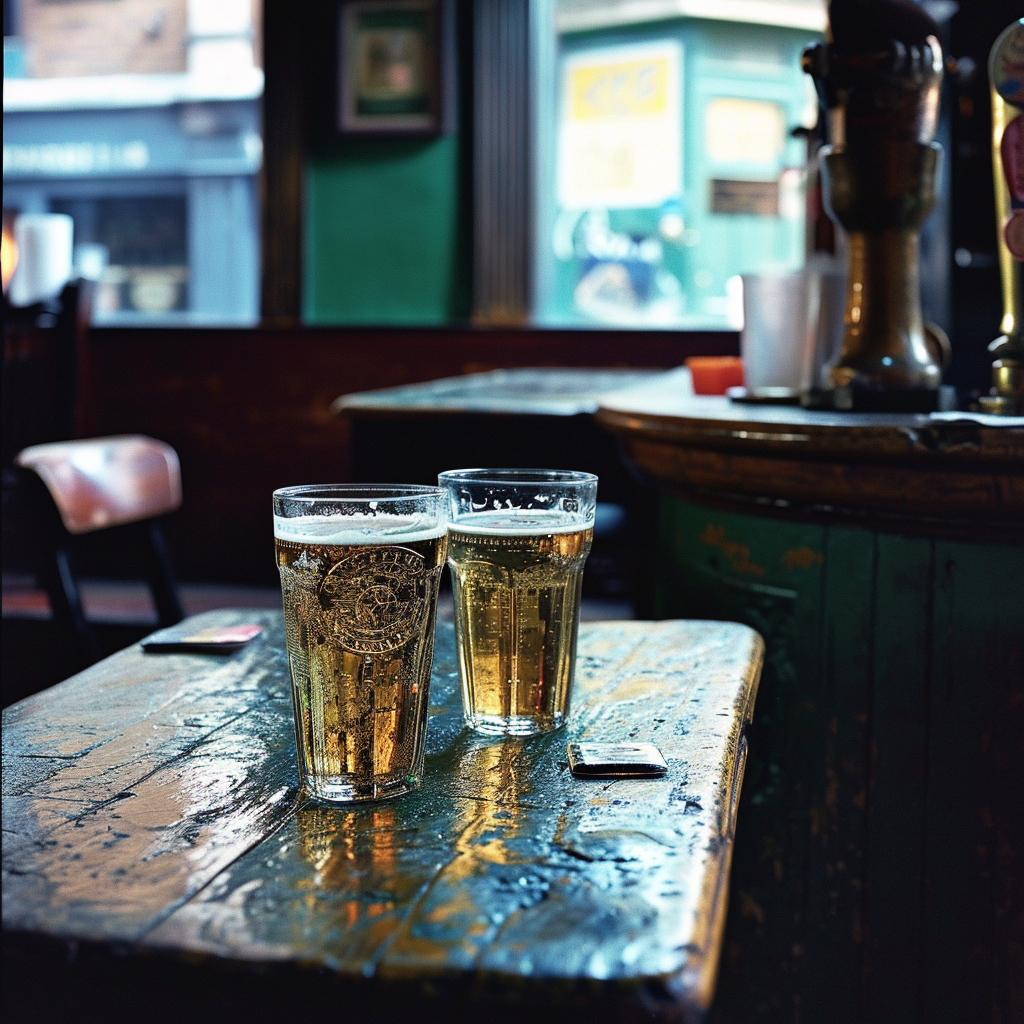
(713, 374)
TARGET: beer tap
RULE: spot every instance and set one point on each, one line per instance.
(878, 76)
(1006, 78)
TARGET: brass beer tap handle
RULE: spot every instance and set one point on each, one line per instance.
(879, 78)
(1006, 78)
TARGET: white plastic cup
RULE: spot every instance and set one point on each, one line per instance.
(44, 243)
(780, 324)
(831, 326)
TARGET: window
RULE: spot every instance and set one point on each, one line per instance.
(675, 164)
(613, 162)
(141, 119)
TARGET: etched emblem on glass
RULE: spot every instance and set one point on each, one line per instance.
(373, 598)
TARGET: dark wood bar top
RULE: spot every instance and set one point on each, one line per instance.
(949, 468)
(880, 557)
(154, 834)
(666, 407)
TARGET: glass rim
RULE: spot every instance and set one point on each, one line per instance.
(526, 477)
(357, 492)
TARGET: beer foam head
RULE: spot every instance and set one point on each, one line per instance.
(351, 530)
(521, 522)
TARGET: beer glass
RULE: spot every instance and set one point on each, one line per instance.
(517, 542)
(360, 567)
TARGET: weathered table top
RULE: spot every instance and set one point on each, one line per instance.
(151, 818)
(501, 417)
(546, 391)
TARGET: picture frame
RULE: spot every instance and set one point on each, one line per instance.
(394, 68)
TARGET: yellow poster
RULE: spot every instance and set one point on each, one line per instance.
(622, 89)
(620, 142)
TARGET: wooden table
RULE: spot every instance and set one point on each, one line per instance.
(541, 391)
(881, 556)
(157, 858)
(499, 418)
(519, 417)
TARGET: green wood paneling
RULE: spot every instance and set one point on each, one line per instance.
(877, 874)
(769, 576)
(836, 862)
(975, 889)
(383, 238)
(897, 766)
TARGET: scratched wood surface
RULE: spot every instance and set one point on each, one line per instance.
(546, 391)
(154, 839)
(959, 477)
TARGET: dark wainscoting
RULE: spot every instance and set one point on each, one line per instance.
(249, 410)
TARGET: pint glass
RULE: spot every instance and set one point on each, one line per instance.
(517, 542)
(360, 567)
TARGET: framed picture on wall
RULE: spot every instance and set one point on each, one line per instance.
(394, 67)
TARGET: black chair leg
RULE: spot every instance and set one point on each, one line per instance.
(66, 604)
(161, 579)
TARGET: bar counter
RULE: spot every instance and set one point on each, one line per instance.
(877, 871)
(948, 473)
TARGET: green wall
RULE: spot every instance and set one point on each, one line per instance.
(383, 234)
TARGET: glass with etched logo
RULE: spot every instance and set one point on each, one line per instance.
(360, 567)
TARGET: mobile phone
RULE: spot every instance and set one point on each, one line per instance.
(613, 760)
(212, 640)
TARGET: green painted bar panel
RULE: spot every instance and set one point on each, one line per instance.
(897, 767)
(721, 565)
(877, 873)
(975, 889)
(838, 816)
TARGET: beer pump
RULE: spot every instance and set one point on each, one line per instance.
(1006, 76)
(878, 79)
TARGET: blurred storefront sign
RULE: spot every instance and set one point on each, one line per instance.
(676, 166)
(621, 130)
(159, 171)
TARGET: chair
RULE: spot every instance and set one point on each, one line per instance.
(104, 483)
(56, 491)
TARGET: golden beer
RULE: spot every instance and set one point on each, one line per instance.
(359, 608)
(516, 577)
